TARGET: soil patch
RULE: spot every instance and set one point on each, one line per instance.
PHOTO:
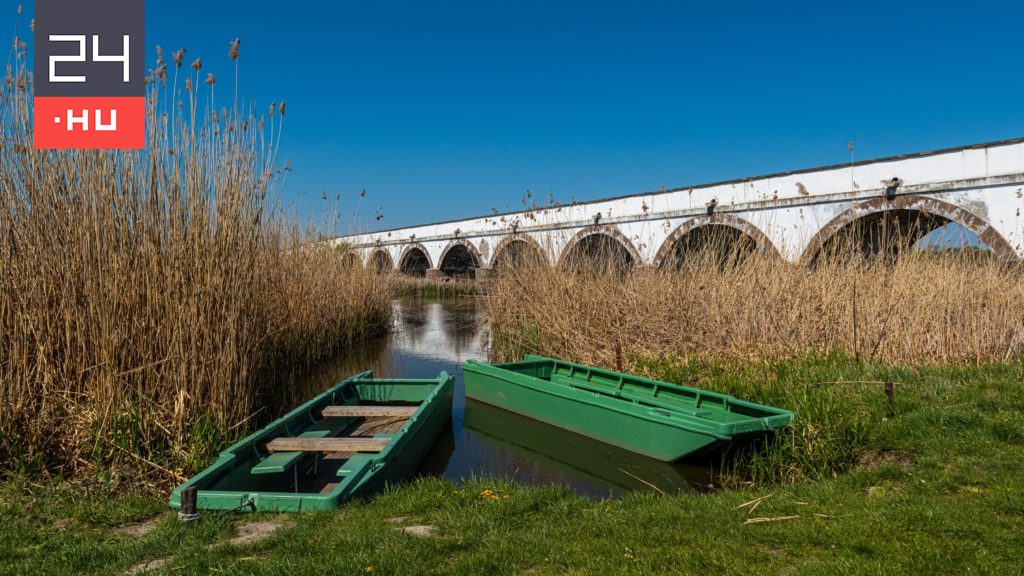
(256, 531)
(892, 457)
(139, 529)
(422, 531)
(143, 567)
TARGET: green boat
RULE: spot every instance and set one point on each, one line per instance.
(345, 443)
(657, 419)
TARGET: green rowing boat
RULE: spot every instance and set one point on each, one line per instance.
(345, 443)
(658, 419)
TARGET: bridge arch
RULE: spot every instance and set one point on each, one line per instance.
(881, 224)
(516, 250)
(380, 261)
(730, 237)
(350, 260)
(599, 248)
(415, 260)
(460, 259)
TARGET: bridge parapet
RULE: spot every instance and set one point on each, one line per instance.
(980, 187)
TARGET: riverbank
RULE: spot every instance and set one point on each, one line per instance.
(935, 486)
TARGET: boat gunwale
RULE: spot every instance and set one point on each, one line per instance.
(771, 411)
(697, 426)
(625, 406)
(730, 399)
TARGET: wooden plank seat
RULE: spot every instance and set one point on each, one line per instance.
(284, 456)
(279, 462)
(369, 411)
(305, 444)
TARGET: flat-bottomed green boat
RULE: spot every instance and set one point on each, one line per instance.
(345, 443)
(658, 419)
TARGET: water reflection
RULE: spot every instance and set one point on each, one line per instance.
(435, 335)
(541, 453)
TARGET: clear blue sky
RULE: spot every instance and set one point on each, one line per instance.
(447, 109)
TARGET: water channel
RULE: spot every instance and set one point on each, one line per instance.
(432, 335)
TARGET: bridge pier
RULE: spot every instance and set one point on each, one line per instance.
(484, 274)
(434, 274)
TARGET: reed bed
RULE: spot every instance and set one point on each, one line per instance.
(898, 307)
(151, 300)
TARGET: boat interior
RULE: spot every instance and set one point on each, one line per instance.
(312, 449)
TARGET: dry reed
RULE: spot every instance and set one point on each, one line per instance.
(903, 307)
(149, 299)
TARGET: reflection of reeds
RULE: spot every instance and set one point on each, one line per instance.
(144, 296)
(410, 286)
(728, 300)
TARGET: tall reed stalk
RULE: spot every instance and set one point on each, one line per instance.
(150, 300)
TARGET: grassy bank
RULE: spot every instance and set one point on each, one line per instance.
(149, 298)
(934, 487)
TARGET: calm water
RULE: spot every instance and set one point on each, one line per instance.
(435, 335)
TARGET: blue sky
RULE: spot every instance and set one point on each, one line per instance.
(447, 109)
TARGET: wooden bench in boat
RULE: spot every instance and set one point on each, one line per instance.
(306, 444)
(286, 452)
(369, 411)
(278, 462)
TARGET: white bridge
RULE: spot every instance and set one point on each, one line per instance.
(794, 215)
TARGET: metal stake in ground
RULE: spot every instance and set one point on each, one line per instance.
(188, 511)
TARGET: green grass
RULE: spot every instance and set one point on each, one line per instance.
(843, 416)
(934, 487)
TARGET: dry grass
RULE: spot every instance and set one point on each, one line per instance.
(911, 308)
(147, 298)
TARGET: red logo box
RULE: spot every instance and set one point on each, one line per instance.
(96, 122)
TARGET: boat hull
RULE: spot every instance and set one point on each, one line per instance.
(600, 405)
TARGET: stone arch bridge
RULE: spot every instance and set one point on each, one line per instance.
(795, 215)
